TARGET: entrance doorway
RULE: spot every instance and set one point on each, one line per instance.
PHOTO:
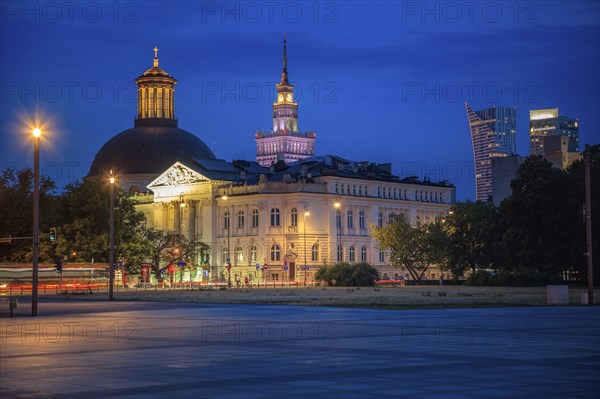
(292, 270)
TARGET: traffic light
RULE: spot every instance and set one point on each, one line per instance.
(52, 233)
(58, 267)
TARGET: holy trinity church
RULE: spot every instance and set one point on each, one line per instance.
(279, 217)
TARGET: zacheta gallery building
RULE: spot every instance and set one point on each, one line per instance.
(290, 210)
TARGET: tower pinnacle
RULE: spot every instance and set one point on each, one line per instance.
(284, 53)
(284, 74)
(155, 56)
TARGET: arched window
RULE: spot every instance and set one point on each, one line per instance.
(275, 217)
(315, 253)
(253, 254)
(338, 219)
(275, 253)
(351, 253)
(240, 219)
(339, 253)
(225, 255)
(239, 254)
(391, 217)
(381, 256)
(361, 219)
(255, 218)
(380, 219)
(363, 254)
(226, 220)
(294, 219)
(350, 219)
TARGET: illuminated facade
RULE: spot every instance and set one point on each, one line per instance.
(548, 122)
(286, 218)
(285, 142)
(493, 133)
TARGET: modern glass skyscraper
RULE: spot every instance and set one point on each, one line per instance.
(493, 133)
(547, 122)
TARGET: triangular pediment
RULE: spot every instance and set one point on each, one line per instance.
(178, 175)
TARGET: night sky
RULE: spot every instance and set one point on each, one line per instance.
(383, 82)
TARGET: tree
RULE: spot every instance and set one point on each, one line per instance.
(412, 248)
(16, 202)
(540, 230)
(470, 227)
(168, 248)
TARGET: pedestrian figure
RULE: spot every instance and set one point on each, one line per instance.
(238, 281)
(247, 282)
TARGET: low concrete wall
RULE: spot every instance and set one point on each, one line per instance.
(557, 294)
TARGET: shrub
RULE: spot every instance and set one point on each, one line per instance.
(505, 278)
(347, 275)
(479, 277)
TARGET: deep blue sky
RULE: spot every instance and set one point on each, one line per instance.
(384, 82)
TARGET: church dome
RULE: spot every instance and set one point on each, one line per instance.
(148, 149)
(155, 142)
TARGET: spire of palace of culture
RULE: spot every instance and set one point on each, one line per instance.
(285, 142)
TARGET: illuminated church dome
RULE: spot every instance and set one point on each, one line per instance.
(140, 154)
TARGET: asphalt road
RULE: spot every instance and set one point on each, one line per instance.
(102, 349)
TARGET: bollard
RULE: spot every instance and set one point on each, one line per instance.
(12, 304)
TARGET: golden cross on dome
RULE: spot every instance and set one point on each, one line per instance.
(156, 56)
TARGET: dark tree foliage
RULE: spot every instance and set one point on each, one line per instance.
(541, 229)
(16, 205)
(470, 229)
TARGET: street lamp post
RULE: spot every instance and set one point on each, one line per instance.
(224, 198)
(181, 231)
(338, 223)
(306, 213)
(36, 218)
(111, 247)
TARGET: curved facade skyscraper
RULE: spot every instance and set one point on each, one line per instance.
(493, 133)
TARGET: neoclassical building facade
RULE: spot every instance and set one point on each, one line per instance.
(290, 218)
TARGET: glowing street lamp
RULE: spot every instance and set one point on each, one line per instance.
(36, 218)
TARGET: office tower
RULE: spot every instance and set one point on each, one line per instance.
(493, 132)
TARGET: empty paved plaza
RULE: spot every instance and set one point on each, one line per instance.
(156, 350)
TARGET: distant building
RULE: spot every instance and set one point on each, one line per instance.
(493, 132)
(285, 142)
(558, 151)
(504, 170)
(548, 122)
